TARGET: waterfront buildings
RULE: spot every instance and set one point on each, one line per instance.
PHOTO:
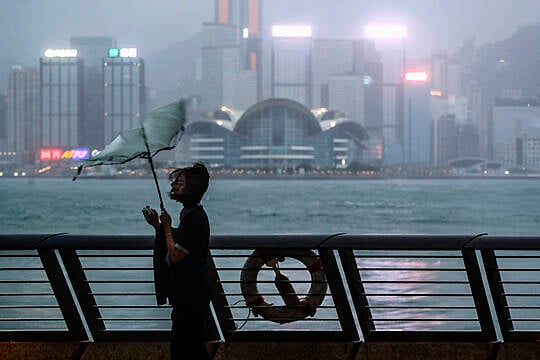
(231, 56)
(91, 50)
(124, 91)
(291, 63)
(515, 134)
(417, 122)
(274, 133)
(22, 118)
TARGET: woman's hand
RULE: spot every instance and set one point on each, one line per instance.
(165, 219)
(151, 217)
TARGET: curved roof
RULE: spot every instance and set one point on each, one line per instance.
(465, 162)
(314, 126)
(333, 114)
(218, 115)
(354, 129)
(204, 126)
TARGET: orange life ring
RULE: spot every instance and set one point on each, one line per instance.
(292, 311)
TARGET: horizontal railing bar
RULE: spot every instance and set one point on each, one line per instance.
(424, 319)
(417, 294)
(408, 269)
(412, 282)
(26, 294)
(517, 257)
(420, 307)
(20, 268)
(270, 294)
(524, 319)
(519, 282)
(32, 319)
(136, 319)
(29, 307)
(518, 269)
(19, 255)
(407, 256)
(119, 281)
(263, 307)
(112, 256)
(257, 268)
(124, 294)
(269, 282)
(523, 307)
(288, 254)
(116, 268)
(304, 319)
(131, 306)
(521, 294)
(24, 281)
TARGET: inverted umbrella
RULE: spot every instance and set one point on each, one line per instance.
(161, 129)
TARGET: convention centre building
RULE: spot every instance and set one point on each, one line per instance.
(274, 133)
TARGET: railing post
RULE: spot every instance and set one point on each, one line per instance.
(62, 293)
(84, 294)
(219, 301)
(357, 292)
(337, 289)
(497, 291)
(479, 294)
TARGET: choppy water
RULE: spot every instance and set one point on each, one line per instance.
(94, 206)
(463, 206)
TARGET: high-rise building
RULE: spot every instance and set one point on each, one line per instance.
(231, 56)
(23, 114)
(511, 119)
(330, 57)
(3, 121)
(124, 91)
(416, 119)
(390, 44)
(291, 63)
(61, 89)
(445, 143)
(91, 50)
(346, 92)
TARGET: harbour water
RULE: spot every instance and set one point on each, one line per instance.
(247, 206)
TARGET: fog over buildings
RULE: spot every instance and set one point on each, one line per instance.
(28, 27)
(475, 54)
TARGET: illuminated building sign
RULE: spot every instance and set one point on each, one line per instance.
(297, 31)
(385, 31)
(416, 76)
(123, 52)
(435, 93)
(55, 154)
(114, 52)
(60, 53)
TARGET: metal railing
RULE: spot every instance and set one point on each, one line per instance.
(378, 288)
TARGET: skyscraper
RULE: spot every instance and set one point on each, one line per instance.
(291, 63)
(23, 114)
(124, 91)
(231, 61)
(91, 50)
(61, 79)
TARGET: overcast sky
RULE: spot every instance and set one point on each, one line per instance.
(27, 27)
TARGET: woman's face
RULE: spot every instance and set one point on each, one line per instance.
(178, 188)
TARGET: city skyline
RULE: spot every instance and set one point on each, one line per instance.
(30, 26)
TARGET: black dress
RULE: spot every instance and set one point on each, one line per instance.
(185, 283)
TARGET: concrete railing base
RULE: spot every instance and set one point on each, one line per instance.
(273, 351)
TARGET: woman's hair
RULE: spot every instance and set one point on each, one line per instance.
(197, 179)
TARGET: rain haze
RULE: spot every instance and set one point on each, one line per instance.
(28, 27)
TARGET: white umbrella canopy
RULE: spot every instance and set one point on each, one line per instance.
(161, 129)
